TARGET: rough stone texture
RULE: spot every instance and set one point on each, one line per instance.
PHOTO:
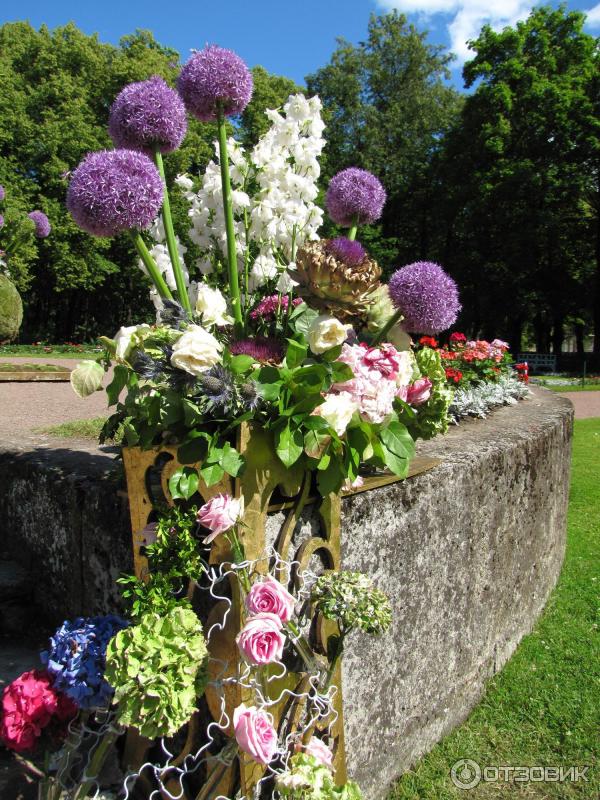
(468, 553)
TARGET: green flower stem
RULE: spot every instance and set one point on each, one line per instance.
(182, 292)
(353, 230)
(149, 263)
(337, 654)
(388, 325)
(302, 647)
(227, 755)
(234, 286)
(96, 763)
(239, 556)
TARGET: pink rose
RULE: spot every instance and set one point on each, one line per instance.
(220, 514)
(255, 734)
(261, 641)
(319, 750)
(269, 595)
(419, 392)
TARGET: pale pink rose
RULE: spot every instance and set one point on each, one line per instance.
(271, 596)
(255, 734)
(261, 641)
(355, 484)
(419, 392)
(220, 514)
(319, 750)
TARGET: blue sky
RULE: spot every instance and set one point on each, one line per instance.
(287, 38)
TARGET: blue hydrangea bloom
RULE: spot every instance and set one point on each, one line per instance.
(76, 659)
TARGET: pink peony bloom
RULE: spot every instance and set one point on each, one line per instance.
(261, 641)
(419, 392)
(319, 750)
(270, 596)
(29, 704)
(357, 483)
(255, 734)
(220, 514)
(385, 359)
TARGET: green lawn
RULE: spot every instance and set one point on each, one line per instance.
(543, 708)
(589, 387)
(30, 368)
(49, 351)
(77, 429)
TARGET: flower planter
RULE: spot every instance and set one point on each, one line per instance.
(267, 488)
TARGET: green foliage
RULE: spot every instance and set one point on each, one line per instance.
(158, 668)
(351, 600)
(270, 91)
(431, 418)
(87, 378)
(307, 779)
(11, 309)
(542, 708)
(172, 560)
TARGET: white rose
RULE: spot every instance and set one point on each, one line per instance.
(196, 350)
(337, 410)
(126, 338)
(405, 371)
(326, 332)
(212, 305)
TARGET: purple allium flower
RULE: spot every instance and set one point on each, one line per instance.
(351, 253)
(41, 222)
(215, 76)
(113, 191)
(146, 115)
(355, 196)
(2, 193)
(260, 348)
(427, 297)
(267, 308)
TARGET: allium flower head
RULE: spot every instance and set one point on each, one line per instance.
(426, 296)
(212, 77)
(42, 225)
(113, 191)
(351, 253)
(146, 115)
(355, 196)
(76, 658)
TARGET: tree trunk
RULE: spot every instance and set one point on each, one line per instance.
(579, 329)
(597, 282)
(558, 334)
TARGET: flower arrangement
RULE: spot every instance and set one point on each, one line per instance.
(467, 363)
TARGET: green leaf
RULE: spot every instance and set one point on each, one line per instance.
(315, 443)
(240, 364)
(118, 383)
(87, 378)
(295, 354)
(333, 354)
(231, 461)
(212, 473)
(194, 448)
(315, 423)
(340, 372)
(191, 413)
(268, 391)
(183, 483)
(330, 479)
(289, 445)
(398, 464)
(397, 439)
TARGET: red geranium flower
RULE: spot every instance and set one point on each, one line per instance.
(457, 338)
(428, 341)
(453, 374)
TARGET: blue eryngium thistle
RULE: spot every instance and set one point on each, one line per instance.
(173, 314)
(218, 387)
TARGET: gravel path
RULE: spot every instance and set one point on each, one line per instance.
(587, 404)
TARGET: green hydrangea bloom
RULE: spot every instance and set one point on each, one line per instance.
(307, 779)
(350, 599)
(158, 668)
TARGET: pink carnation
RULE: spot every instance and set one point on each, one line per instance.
(261, 641)
(220, 514)
(270, 596)
(255, 734)
(419, 392)
(29, 704)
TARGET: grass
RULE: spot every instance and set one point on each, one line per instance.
(77, 429)
(44, 350)
(589, 387)
(30, 368)
(543, 708)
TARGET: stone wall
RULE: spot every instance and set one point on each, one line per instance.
(468, 552)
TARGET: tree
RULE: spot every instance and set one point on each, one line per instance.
(387, 106)
(521, 168)
(270, 91)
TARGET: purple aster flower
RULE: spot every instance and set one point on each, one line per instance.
(147, 115)
(113, 191)
(355, 196)
(212, 77)
(76, 659)
(41, 222)
(351, 253)
(260, 349)
(426, 296)
(2, 193)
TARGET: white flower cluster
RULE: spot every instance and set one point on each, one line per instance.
(160, 254)
(274, 187)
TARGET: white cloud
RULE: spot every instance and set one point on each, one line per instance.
(467, 16)
(593, 16)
